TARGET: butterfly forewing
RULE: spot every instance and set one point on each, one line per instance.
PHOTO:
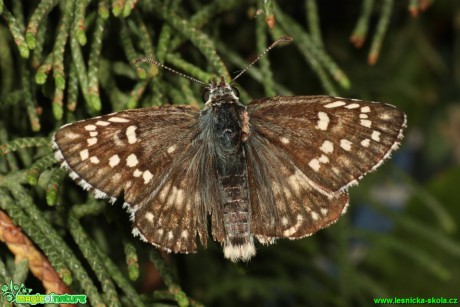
(333, 141)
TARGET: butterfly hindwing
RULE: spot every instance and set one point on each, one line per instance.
(284, 204)
(172, 217)
(333, 141)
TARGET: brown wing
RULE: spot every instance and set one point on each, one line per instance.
(284, 204)
(107, 153)
(333, 141)
(172, 217)
(152, 156)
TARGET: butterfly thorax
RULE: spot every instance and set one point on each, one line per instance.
(228, 119)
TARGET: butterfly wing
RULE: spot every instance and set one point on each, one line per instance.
(303, 153)
(168, 219)
(171, 218)
(333, 141)
(149, 155)
(284, 202)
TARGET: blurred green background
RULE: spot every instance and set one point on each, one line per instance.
(62, 61)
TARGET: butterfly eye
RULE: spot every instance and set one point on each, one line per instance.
(205, 96)
(236, 92)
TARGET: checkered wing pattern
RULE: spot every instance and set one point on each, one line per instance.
(149, 156)
(333, 141)
(284, 201)
(304, 152)
(278, 168)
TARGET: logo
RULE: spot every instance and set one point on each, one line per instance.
(20, 294)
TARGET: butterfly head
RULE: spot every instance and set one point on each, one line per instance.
(220, 92)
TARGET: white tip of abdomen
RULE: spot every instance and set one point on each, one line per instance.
(242, 252)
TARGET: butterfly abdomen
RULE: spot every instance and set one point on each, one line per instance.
(233, 182)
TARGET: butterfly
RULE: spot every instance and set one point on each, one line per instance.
(279, 167)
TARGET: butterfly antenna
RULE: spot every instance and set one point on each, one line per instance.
(152, 61)
(284, 39)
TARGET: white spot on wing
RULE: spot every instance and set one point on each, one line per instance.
(172, 197)
(132, 161)
(90, 127)
(295, 181)
(376, 136)
(284, 140)
(323, 121)
(362, 115)
(117, 140)
(327, 147)
(131, 134)
(164, 192)
(323, 159)
(94, 160)
(114, 160)
(365, 142)
(345, 144)
(171, 149)
(345, 161)
(116, 177)
(147, 176)
(385, 116)
(366, 123)
(92, 141)
(102, 123)
(314, 164)
(352, 106)
(179, 197)
(335, 104)
(118, 120)
(284, 221)
(314, 215)
(93, 133)
(72, 136)
(290, 231)
(137, 173)
(365, 109)
(149, 216)
(84, 154)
